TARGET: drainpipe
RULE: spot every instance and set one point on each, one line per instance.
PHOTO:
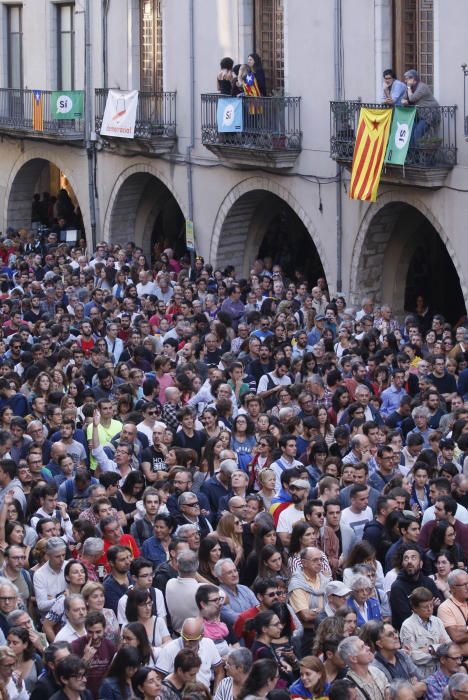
(90, 152)
(105, 37)
(192, 119)
(338, 97)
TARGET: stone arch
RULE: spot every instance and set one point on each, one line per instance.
(21, 187)
(138, 197)
(392, 232)
(243, 217)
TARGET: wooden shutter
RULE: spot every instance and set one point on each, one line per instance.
(151, 68)
(413, 38)
(269, 41)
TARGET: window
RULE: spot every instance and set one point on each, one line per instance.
(413, 38)
(151, 64)
(269, 41)
(15, 46)
(65, 47)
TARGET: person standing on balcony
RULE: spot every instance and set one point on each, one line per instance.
(419, 94)
(393, 90)
(225, 76)
(255, 64)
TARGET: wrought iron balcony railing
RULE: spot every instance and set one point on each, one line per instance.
(16, 116)
(156, 114)
(435, 148)
(270, 125)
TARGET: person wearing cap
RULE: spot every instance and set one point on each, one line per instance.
(419, 94)
(337, 592)
(299, 490)
(219, 485)
(317, 331)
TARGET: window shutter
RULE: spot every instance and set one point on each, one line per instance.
(151, 68)
(413, 38)
(269, 42)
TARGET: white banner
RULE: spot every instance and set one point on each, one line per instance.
(120, 114)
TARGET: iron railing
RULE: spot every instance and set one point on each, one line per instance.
(156, 113)
(16, 114)
(269, 124)
(434, 141)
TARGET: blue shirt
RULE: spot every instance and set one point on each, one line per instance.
(397, 92)
(391, 400)
(153, 550)
(239, 601)
(113, 591)
(436, 685)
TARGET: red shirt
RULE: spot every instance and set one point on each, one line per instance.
(125, 541)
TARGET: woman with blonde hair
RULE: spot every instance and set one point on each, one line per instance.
(93, 594)
(229, 533)
(11, 684)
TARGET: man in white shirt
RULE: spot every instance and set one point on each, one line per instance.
(192, 637)
(75, 611)
(299, 489)
(270, 383)
(180, 591)
(49, 579)
(358, 513)
(287, 460)
(114, 344)
(145, 284)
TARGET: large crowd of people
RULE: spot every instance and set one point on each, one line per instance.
(215, 487)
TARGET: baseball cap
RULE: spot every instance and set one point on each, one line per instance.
(320, 317)
(300, 483)
(337, 588)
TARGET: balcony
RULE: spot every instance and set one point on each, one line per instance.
(155, 126)
(271, 136)
(16, 118)
(429, 160)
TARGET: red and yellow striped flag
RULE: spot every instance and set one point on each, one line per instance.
(37, 111)
(369, 153)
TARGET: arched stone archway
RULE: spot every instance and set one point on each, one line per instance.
(32, 173)
(401, 251)
(246, 216)
(143, 209)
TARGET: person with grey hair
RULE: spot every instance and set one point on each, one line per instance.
(401, 690)
(370, 682)
(421, 416)
(419, 94)
(188, 513)
(75, 613)
(91, 553)
(238, 664)
(238, 597)
(454, 611)
(361, 601)
(9, 597)
(20, 618)
(49, 579)
(450, 662)
(219, 485)
(458, 686)
(180, 591)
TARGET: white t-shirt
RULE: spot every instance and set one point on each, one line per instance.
(263, 383)
(207, 652)
(289, 516)
(122, 604)
(357, 521)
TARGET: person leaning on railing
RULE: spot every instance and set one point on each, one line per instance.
(419, 94)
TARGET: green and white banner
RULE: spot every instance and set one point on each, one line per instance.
(67, 104)
(400, 135)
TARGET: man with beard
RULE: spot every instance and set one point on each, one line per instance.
(299, 489)
(409, 578)
(181, 484)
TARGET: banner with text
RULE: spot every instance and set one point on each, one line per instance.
(120, 114)
(229, 115)
(400, 135)
(67, 105)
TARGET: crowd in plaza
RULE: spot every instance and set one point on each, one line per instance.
(224, 487)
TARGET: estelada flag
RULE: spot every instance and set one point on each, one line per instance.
(37, 111)
(251, 89)
(369, 153)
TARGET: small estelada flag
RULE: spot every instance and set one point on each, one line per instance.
(369, 153)
(37, 111)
